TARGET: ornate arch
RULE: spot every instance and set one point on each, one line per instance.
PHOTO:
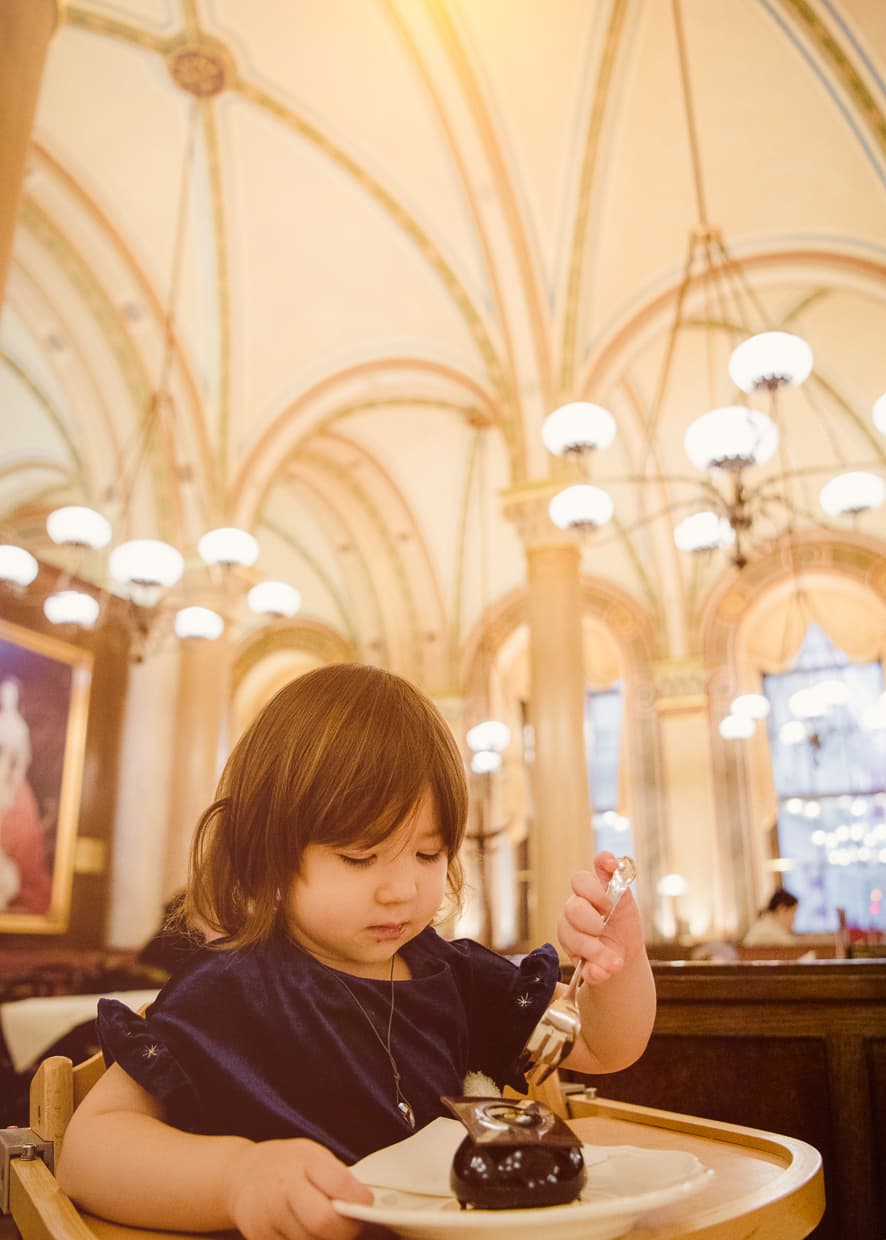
(742, 773)
(633, 631)
(302, 635)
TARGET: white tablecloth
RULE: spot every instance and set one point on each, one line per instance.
(31, 1026)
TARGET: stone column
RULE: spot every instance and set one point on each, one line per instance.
(562, 838)
(26, 27)
(200, 746)
(681, 702)
(141, 825)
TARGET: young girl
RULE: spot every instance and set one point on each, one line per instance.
(330, 1017)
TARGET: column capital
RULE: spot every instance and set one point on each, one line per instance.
(680, 684)
(526, 506)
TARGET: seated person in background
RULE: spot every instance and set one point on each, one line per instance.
(775, 925)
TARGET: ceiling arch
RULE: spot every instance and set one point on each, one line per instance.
(409, 218)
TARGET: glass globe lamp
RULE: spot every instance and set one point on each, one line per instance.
(76, 526)
(490, 734)
(832, 692)
(851, 493)
(581, 506)
(731, 438)
(199, 622)
(578, 427)
(485, 761)
(228, 546)
(71, 607)
(17, 566)
(793, 732)
(737, 727)
(703, 531)
(770, 360)
(144, 568)
(808, 703)
(671, 885)
(274, 598)
(754, 705)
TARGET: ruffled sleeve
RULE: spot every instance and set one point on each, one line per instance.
(505, 1002)
(129, 1040)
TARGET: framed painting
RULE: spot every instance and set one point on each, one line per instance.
(44, 701)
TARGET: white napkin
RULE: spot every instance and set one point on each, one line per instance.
(421, 1163)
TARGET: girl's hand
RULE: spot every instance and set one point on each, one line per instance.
(580, 929)
(286, 1188)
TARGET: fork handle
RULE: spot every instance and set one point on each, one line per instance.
(622, 877)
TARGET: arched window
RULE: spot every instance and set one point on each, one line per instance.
(829, 770)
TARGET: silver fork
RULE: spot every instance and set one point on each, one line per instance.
(554, 1036)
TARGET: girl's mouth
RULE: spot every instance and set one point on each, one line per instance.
(390, 930)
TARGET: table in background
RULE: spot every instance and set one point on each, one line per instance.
(31, 1026)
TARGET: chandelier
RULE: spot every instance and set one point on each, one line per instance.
(818, 713)
(728, 508)
(161, 591)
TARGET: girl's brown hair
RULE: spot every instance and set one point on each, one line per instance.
(340, 755)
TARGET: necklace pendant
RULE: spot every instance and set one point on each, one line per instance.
(406, 1111)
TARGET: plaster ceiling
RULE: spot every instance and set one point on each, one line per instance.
(405, 219)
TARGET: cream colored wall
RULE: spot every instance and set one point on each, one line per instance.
(265, 679)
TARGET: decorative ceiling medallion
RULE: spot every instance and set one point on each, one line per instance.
(201, 66)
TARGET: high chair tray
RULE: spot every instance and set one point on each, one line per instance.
(763, 1184)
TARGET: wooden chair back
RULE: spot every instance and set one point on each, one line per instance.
(58, 1086)
(39, 1209)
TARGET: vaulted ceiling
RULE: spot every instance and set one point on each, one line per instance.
(409, 230)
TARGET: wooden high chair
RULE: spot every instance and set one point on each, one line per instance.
(39, 1208)
(764, 1184)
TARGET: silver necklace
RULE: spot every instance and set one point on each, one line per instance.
(402, 1103)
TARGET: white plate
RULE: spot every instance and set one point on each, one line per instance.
(620, 1188)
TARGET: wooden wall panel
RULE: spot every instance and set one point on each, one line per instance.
(798, 1049)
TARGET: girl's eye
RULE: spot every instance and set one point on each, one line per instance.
(358, 863)
(430, 857)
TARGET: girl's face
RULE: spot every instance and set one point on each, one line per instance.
(353, 908)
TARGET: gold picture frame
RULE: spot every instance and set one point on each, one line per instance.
(44, 703)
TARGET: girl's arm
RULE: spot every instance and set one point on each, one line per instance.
(617, 1004)
(121, 1160)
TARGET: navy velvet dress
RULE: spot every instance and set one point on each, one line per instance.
(267, 1042)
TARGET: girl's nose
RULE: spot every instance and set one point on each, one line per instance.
(397, 884)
